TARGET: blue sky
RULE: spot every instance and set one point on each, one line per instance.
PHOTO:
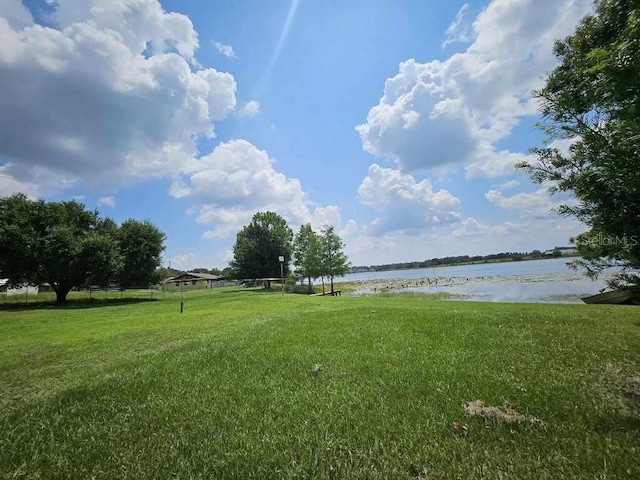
(398, 122)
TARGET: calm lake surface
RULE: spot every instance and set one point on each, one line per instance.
(548, 280)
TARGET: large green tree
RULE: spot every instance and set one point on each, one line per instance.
(259, 245)
(141, 245)
(592, 101)
(334, 262)
(67, 246)
(306, 253)
(60, 243)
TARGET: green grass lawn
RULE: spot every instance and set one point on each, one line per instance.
(225, 390)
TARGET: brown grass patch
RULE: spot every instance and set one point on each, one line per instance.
(622, 388)
(505, 414)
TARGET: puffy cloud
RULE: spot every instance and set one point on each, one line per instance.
(235, 181)
(488, 163)
(107, 201)
(191, 259)
(226, 50)
(41, 181)
(68, 12)
(236, 172)
(113, 94)
(227, 221)
(349, 229)
(408, 205)
(563, 145)
(142, 25)
(508, 185)
(515, 236)
(15, 13)
(472, 227)
(538, 204)
(250, 109)
(452, 113)
(468, 237)
(323, 216)
(9, 185)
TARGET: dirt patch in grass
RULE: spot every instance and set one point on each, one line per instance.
(631, 392)
(505, 414)
(622, 388)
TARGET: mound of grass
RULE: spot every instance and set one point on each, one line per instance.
(248, 384)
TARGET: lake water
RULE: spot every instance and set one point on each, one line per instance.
(548, 280)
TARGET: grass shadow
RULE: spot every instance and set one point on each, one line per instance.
(252, 290)
(74, 304)
(263, 291)
(617, 423)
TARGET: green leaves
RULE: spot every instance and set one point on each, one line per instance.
(320, 255)
(307, 257)
(334, 261)
(593, 97)
(141, 244)
(67, 246)
(98, 258)
(260, 244)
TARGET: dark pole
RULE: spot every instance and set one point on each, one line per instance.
(281, 258)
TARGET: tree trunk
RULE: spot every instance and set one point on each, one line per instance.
(331, 285)
(61, 294)
(310, 290)
(322, 285)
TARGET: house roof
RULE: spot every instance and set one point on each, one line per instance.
(193, 276)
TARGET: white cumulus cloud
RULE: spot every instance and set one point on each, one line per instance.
(538, 204)
(194, 259)
(407, 205)
(15, 13)
(235, 181)
(107, 201)
(472, 227)
(112, 94)
(452, 113)
(250, 109)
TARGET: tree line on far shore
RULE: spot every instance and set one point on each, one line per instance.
(466, 259)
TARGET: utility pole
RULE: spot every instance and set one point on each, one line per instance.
(281, 258)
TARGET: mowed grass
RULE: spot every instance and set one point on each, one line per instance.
(225, 390)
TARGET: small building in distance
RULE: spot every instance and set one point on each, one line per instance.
(194, 280)
(21, 290)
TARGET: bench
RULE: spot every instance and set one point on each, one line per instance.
(335, 293)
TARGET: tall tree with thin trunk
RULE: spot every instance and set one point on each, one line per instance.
(592, 102)
(306, 253)
(334, 262)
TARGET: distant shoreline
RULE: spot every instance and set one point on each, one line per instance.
(411, 266)
(494, 281)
